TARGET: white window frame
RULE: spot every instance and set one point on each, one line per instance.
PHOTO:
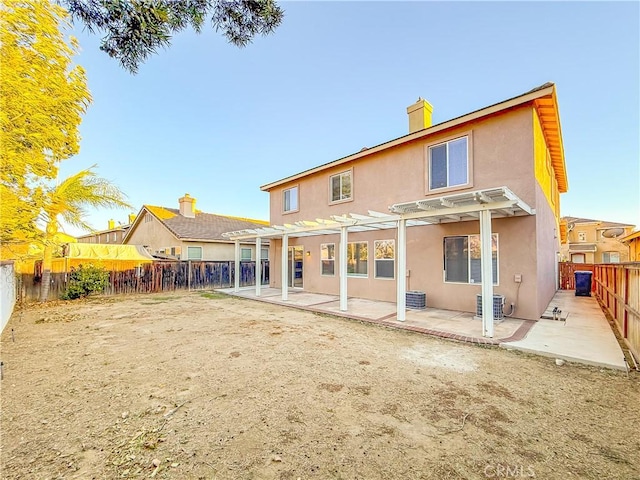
(575, 256)
(189, 257)
(358, 275)
(322, 259)
(284, 199)
(264, 253)
(616, 254)
(468, 183)
(243, 251)
(469, 279)
(391, 260)
(346, 173)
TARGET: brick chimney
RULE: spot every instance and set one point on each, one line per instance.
(112, 224)
(419, 115)
(187, 206)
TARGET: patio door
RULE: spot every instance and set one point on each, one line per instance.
(296, 259)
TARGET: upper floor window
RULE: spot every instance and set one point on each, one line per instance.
(340, 185)
(462, 259)
(449, 164)
(290, 200)
(264, 253)
(610, 257)
(245, 254)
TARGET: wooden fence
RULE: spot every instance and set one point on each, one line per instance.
(160, 276)
(567, 274)
(617, 287)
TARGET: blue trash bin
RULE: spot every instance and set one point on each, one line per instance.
(583, 283)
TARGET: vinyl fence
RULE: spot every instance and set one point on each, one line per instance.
(7, 292)
(161, 276)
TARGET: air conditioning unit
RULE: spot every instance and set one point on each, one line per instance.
(498, 306)
(416, 300)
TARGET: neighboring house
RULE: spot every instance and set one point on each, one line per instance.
(185, 233)
(633, 242)
(114, 234)
(417, 207)
(594, 241)
(26, 254)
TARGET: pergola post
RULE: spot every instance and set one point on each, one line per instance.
(401, 281)
(285, 267)
(487, 273)
(236, 278)
(343, 268)
(258, 266)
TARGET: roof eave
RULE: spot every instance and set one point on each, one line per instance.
(549, 116)
(455, 122)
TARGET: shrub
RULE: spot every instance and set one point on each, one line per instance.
(85, 280)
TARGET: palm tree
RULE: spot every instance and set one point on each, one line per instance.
(67, 201)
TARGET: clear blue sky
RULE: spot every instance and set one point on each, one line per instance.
(216, 121)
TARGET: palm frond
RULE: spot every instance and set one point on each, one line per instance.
(70, 199)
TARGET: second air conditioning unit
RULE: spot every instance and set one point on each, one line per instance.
(498, 306)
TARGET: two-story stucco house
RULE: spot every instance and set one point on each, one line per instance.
(594, 241)
(438, 210)
(186, 233)
(114, 234)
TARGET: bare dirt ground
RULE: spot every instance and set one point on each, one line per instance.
(203, 386)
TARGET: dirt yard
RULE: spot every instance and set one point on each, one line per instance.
(203, 386)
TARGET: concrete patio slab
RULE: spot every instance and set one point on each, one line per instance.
(585, 337)
(449, 324)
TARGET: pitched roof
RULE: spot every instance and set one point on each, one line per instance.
(543, 98)
(602, 223)
(206, 227)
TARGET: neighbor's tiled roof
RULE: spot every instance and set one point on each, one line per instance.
(204, 226)
(603, 224)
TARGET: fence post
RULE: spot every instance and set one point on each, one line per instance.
(189, 275)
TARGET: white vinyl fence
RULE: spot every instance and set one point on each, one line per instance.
(7, 292)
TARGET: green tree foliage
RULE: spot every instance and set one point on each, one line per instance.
(42, 99)
(85, 280)
(134, 30)
(67, 201)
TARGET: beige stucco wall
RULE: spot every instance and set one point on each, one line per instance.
(547, 251)
(593, 234)
(219, 251)
(156, 236)
(502, 154)
(425, 262)
(104, 237)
